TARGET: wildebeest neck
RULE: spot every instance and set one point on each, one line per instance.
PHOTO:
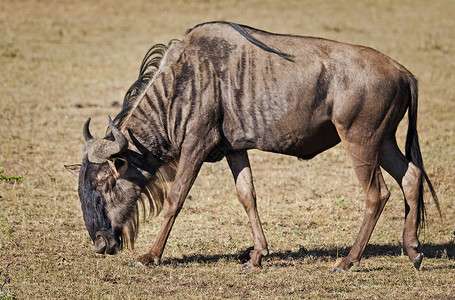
(146, 107)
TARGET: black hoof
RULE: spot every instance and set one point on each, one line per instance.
(418, 261)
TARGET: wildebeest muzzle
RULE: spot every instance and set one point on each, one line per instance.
(105, 243)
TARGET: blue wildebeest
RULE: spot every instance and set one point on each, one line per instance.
(227, 88)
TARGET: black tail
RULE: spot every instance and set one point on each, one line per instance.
(414, 155)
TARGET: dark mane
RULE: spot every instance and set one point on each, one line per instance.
(242, 30)
(150, 64)
(245, 32)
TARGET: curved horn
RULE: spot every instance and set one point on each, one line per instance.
(86, 131)
(120, 139)
(100, 150)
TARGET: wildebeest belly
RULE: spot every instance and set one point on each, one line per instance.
(285, 136)
(305, 146)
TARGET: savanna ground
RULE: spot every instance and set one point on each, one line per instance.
(63, 61)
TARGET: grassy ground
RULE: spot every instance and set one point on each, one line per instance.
(63, 61)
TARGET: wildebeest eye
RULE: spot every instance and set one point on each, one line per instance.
(120, 166)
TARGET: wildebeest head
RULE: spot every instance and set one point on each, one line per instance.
(111, 185)
(98, 176)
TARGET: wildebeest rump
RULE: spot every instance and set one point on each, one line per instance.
(227, 88)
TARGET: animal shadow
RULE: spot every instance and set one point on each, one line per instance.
(372, 250)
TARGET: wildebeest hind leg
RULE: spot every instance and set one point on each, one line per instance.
(240, 167)
(369, 174)
(409, 178)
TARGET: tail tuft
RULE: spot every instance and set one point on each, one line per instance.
(414, 155)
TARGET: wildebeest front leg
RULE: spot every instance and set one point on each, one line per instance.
(241, 170)
(188, 168)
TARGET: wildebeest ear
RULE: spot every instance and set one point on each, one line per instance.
(119, 165)
(73, 169)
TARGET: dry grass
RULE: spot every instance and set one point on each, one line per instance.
(63, 61)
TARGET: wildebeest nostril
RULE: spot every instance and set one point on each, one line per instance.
(105, 243)
(100, 244)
